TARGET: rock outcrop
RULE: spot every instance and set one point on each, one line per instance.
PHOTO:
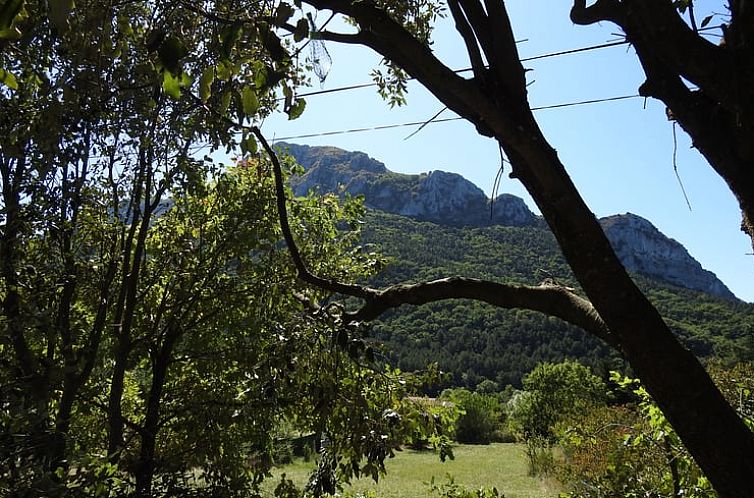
(437, 196)
(644, 249)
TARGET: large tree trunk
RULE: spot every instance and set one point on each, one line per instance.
(719, 114)
(712, 431)
(495, 102)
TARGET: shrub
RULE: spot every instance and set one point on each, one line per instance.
(479, 418)
(553, 392)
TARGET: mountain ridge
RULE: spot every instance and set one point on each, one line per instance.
(450, 199)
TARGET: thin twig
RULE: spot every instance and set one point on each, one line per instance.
(426, 123)
(675, 167)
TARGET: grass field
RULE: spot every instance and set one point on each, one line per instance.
(408, 474)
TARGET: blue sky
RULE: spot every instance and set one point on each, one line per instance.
(619, 154)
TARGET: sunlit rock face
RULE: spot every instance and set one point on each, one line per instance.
(644, 249)
(437, 196)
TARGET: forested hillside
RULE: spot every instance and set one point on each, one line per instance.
(475, 341)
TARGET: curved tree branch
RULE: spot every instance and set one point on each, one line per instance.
(303, 272)
(554, 300)
(352, 39)
(656, 26)
(719, 115)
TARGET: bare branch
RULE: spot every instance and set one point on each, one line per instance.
(502, 53)
(352, 39)
(463, 26)
(553, 300)
(303, 272)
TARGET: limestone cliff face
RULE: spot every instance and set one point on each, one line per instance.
(644, 249)
(437, 196)
(449, 199)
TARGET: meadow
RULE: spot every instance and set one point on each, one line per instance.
(499, 465)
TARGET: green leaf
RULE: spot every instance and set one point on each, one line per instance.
(224, 70)
(707, 20)
(260, 74)
(249, 145)
(295, 111)
(205, 83)
(59, 12)
(171, 51)
(249, 101)
(8, 79)
(302, 30)
(171, 84)
(225, 101)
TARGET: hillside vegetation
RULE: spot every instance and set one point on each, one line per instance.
(474, 341)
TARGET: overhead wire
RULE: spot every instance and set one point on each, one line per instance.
(445, 120)
(548, 55)
(434, 119)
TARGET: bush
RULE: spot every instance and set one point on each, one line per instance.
(553, 392)
(450, 489)
(480, 416)
(539, 456)
(628, 451)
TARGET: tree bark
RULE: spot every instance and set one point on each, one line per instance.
(146, 464)
(719, 115)
(712, 431)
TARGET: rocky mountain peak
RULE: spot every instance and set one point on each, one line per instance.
(332, 158)
(644, 249)
(436, 196)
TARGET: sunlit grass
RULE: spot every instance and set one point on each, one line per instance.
(408, 474)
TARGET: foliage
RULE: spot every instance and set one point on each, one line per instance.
(553, 393)
(239, 352)
(480, 415)
(539, 456)
(450, 489)
(155, 338)
(622, 451)
(475, 342)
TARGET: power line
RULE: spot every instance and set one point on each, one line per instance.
(445, 120)
(467, 69)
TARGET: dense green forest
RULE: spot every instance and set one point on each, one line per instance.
(475, 341)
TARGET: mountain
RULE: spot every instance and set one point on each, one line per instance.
(449, 199)
(473, 341)
(643, 249)
(437, 196)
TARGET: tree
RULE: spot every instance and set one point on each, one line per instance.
(552, 393)
(494, 99)
(480, 415)
(151, 324)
